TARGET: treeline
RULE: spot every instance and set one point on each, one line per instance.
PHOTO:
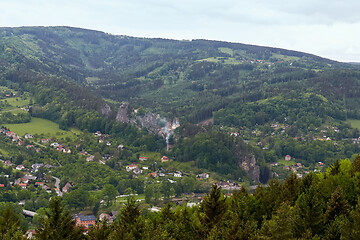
(21, 117)
(319, 206)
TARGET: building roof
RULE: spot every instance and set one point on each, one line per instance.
(87, 218)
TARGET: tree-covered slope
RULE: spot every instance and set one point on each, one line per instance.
(192, 79)
(278, 99)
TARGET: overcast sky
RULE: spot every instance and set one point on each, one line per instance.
(328, 28)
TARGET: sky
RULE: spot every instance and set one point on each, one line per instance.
(327, 28)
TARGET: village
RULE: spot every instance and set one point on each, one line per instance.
(38, 176)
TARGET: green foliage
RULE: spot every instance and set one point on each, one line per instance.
(58, 224)
(10, 224)
(212, 209)
(130, 224)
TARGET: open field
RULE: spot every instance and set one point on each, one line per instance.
(286, 163)
(41, 126)
(16, 103)
(226, 50)
(354, 123)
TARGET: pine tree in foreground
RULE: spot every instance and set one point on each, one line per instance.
(57, 224)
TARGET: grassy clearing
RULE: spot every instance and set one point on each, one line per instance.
(226, 60)
(41, 127)
(15, 111)
(16, 103)
(285, 58)
(354, 123)
(226, 50)
(286, 163)
(151, 155)
(111, 101)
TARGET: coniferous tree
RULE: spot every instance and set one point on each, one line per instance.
(241, 219)
(10, 225)
(350, 228)
(336, 206)
(130, 224)
(100, 232)
(281, 225)
(57, 224)
(211, 212)
(309, 211)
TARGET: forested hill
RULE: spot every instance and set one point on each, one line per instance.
(193, 79)
(285, 102)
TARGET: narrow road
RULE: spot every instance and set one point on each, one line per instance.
(57, 185)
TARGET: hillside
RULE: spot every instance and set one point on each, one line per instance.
(278, 101)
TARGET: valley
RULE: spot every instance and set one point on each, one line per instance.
(98, 119)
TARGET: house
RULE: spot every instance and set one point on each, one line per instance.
(10, 134)
(84, 153)
(143, 158)
(23, 185)
(108, 144)
(39, 184)
(97, 134)
(145, 168)
(178, 174)
(2, 185)
(85, 221)
(66, 150)
(29, 177)
(36, 166)
(44, 140)
(8, 163)
(27, 136)
(137, 171)
(66, 188)
(55, 144)
(121, 147)
(287, 157)
(153, 174)
(164, 159)
(90, 158)
(234, 134)
(203, 176)
(19, 167)
(46, 188)
(130, 167)
(29, 146)
(107, 217)
(48, 166)
(20, 143)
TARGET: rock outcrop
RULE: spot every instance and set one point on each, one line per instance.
(248, 164)
(106, 110)
(122, 114)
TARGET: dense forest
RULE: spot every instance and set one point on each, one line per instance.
(319, 206)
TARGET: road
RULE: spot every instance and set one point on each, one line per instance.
(57, 185)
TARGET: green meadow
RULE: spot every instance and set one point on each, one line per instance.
(286, 163)
(354, 123)
(41, 126)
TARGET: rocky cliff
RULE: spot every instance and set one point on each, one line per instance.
(248, 164)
